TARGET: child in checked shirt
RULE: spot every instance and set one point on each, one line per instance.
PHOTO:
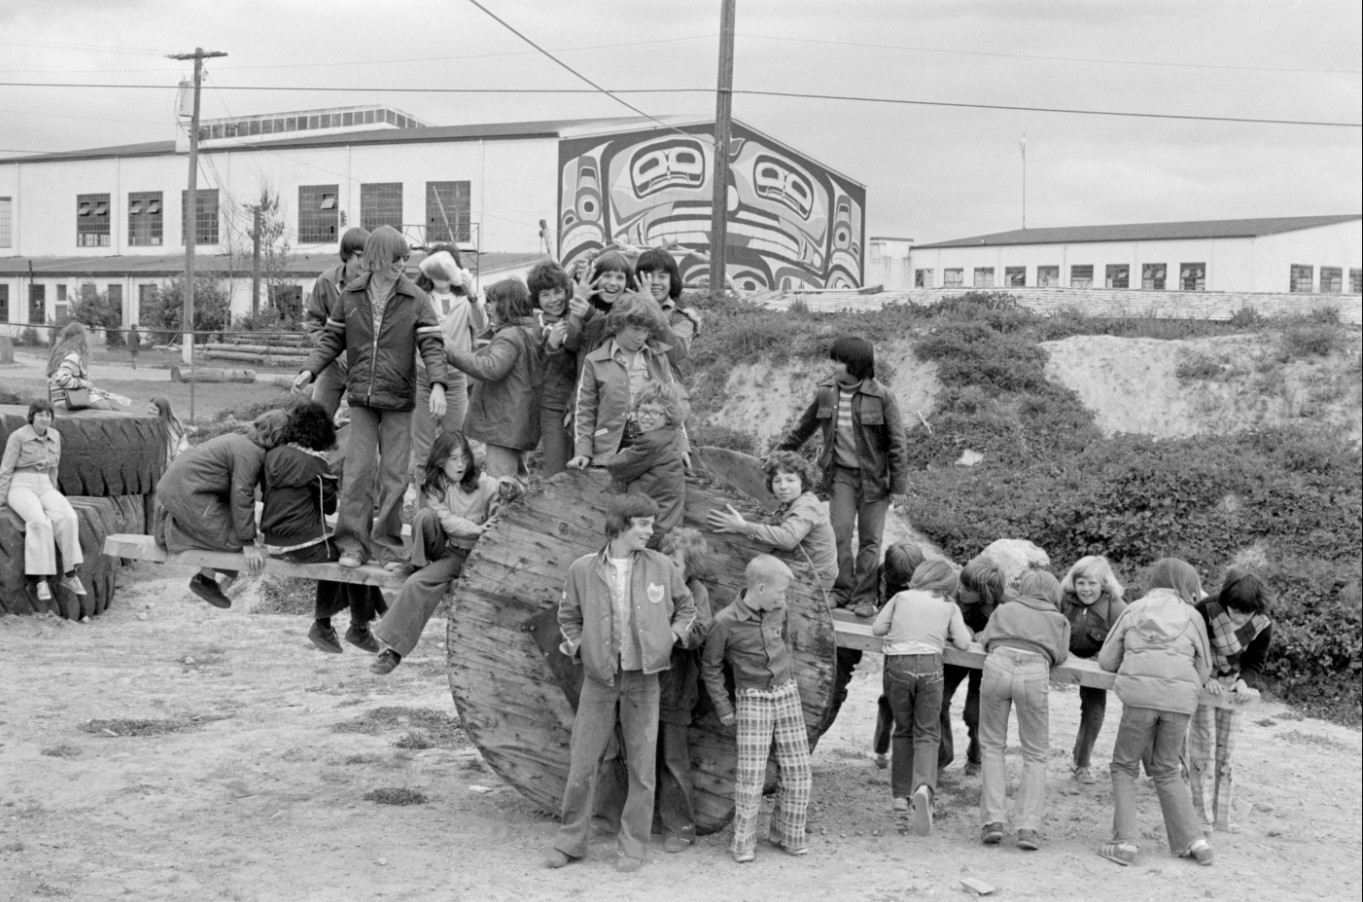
(751, 635)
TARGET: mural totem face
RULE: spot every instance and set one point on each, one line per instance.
(791, 223)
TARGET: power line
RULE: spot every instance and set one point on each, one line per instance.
(93, 48)
(612, 96)
(1066, 59)
(791, 94)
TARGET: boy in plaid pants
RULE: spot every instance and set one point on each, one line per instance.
(751, 635)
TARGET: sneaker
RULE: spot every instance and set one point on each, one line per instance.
(44, 591)
(1084, 774)
(744, 857)
(385, 662)
(324, 637)
(557, 859)
(901, 806)
(350, 560)
(864, 609)
(358, 635)
(797, 851)
(399, 567)
(626, 865)
(1028, 840)
(922, 811)
(1123, 853)
(992, 834)
(1200, 851)
(209, 590)
(972, 769)
(72, 584)
(676, 843)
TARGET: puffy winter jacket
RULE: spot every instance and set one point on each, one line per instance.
(382, 365)
(503, 402)
(1158, 649)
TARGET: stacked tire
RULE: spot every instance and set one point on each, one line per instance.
(110, 462)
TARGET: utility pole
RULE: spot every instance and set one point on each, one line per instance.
(191, 213)
(1023, 145)
(255, 260)
(724, 111)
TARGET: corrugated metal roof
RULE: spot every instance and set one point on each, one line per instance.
(1148, 231)
(164, 266)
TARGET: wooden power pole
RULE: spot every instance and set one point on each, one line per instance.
(191, 211)
(724, 110)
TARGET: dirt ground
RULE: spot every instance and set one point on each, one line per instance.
(252, 787)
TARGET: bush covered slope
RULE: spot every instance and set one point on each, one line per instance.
(1286, 501)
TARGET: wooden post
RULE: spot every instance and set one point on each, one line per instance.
(255, 260)
(724, 108)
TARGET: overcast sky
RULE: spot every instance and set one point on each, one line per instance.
(931, 173)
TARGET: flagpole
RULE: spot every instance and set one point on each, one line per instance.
(1023, 145)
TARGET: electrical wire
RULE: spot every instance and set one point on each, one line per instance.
(756, 93)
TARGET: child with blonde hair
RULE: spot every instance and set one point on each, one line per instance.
(1091, 600)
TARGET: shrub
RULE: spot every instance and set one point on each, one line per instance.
(165, 316)
(1309, 340)
(1199, 366)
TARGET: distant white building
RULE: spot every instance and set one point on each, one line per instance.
(1296, 254)
(887, 262)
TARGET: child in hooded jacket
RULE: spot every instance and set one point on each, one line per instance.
(1158, 649)
(1026, 636)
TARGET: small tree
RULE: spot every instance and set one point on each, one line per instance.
(211, 307)
(94, 309)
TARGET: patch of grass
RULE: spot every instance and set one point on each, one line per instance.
(1199, 366)
(443, 730)
(388, 795)
(285, 595)
(1313, 739)
(1314, 339)
(127, 726)
(415, 740)
(61, 751)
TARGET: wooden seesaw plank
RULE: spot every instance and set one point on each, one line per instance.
(854, 632)
(144, 548)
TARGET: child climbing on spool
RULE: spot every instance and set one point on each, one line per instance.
(652, 464)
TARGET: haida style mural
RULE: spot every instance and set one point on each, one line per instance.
(792, 223)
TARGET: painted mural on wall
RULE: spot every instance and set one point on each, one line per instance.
(791, 222)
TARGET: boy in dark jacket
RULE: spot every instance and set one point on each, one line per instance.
(652, 463)
(381, 321)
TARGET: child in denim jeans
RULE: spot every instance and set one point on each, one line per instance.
(916, 625)
(1025, 638)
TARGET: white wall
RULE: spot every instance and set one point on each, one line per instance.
(1233, 264)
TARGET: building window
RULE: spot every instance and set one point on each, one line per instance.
(37, 303)
(1118, 276)
(984, 277)
(953, 278)
(1015, 276)
(381, 204)
(1192, 276)
(1303, 279)
(1356, 281)
(4, 303)
(317, 219)
(922, 278)
(1048, 277)
(447, 211)
(1331, 280)
(147, 299)
(1081, 276)
(1153, 276)
(144, 219)
(6, 222)
(206, 222)
(92, 220)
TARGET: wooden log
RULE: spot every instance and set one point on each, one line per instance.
(516, 698)
(144, 548)
(273, 350)
(211, 374)
(853, 632)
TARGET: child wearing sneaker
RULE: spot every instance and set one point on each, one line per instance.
(751, 635)
(298, 489)
(915, 625)
(1091, 602)
(1158, 648)
(28, 484)
(460, 499)
(1026, 636)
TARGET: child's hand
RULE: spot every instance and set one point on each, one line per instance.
(437, 401)
(1241, 693)
(579, 463)
(727, 520)
(301, 381)
(557, 333)
(583, 290)
(1213, 686)
(728, 719)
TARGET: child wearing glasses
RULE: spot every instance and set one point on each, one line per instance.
(652, 463)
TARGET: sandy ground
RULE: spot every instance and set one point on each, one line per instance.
(260, 797)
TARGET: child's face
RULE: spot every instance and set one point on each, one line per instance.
(636, 535)
(611, 283)
(1087, 589)
(1239, 618)
(658, 282)
(455, 467)
(631, 338)
(678, 557)
(841, 375)
(650, 417)
(554, 301)
(786, 486)
(769, 595)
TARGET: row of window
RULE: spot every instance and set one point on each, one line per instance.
(319, 217)
(1154, 277)
(37, 300)
(281, 124)
(1303, 280)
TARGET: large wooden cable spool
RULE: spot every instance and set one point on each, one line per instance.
(516, 699)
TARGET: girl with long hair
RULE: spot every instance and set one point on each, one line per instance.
(68, 373)
(177, 439)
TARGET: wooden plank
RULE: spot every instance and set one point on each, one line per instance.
(854, 632)
(144, 548)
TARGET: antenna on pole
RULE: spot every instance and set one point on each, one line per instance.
(1023, 145)
(191, 211)
(724, 109)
